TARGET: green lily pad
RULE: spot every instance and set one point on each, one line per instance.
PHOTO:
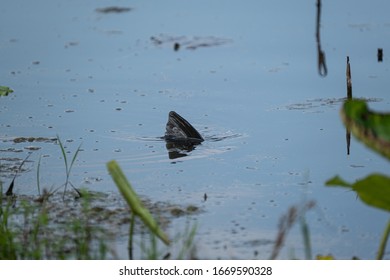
(4, 91)
(370, 127)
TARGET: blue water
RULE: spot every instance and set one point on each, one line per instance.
(99, 80)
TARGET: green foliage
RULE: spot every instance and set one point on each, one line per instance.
(370, 127)
(38, 228)
(382, 245)
(325, 257)
(27, 232)
(373, 190)
(294, 214)
(4, 91)
(136, 206)
(68, 167)
(373, 129)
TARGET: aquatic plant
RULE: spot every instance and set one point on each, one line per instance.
(4, 91)
(32, 229)
(68, 167)
(10, 189)
(294, 215)
(44, 228)
(135, 204)
(373, 129)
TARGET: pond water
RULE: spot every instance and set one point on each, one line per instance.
(244, 74)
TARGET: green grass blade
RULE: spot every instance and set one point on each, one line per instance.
(134, 202)
(306, 238)
(38, 180)
(74, 158)
(382, 245)
(63, 153)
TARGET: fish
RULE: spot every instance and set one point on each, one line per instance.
(179, 130)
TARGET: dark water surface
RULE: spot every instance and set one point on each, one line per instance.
(243, 73)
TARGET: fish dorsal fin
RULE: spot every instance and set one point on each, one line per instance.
(179, 129)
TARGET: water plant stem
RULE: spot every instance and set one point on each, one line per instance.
(38, 180)
(68, 167)
(135, 204)
(131, 233)
(306, 238)
(382, 245)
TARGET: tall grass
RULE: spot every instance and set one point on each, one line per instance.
(30, 231)
(68, 166)
(136, 206)
(382, 244)
(294, 214)
(38, 175)
(138, 210)
(32, 228)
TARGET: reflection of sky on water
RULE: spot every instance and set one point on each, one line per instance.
(99, 80)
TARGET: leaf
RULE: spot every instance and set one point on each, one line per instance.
(325, 257)
(337, 181)
(9, 192)
(373, 190)
(4, 91)
(133, 201)
(370, 127)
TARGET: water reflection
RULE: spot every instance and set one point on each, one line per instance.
(322, 69)
(349, 96)
(380, 54)
(178, 150)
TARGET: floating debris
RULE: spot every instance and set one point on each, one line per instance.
(176, 47)
(380, 55)
(315, 105)
(189, 43)
(33, 139)
(32, 148)
(113, 10)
